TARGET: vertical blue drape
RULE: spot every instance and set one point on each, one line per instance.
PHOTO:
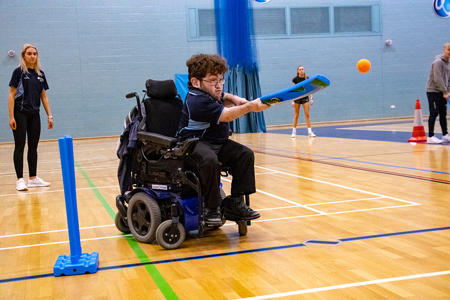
(234, 28)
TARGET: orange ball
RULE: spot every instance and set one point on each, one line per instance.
(363, 65)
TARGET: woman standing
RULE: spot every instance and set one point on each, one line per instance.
(305, 102)
(28, 87)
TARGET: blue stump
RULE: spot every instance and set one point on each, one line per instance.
(77, 262)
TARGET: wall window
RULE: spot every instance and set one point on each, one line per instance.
(206, 22)
(353, 19)
(269, 21)
(310, 20)
(361, 19)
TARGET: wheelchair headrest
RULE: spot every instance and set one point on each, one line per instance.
(161, 89)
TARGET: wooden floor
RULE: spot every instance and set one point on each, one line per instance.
(340, 219)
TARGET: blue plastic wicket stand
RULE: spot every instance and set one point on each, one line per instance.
(77, 263)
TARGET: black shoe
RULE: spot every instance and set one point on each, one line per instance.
(236, 210)
(213, 217)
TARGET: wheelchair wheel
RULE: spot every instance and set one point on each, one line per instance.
(121, 224)
(170, 237)
(242, 227)
(144, 216)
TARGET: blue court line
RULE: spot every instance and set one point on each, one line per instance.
(351, 160)
(437, 180)
(323, 242)
(173, 260)
(339, 131)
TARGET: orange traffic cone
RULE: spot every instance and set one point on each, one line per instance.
(418, 134)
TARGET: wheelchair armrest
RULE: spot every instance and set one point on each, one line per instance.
(156, 138)
(185, 146)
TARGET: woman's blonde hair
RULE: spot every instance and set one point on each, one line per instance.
(298, 68)
(23, 65)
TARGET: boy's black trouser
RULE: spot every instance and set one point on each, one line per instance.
(209, 159)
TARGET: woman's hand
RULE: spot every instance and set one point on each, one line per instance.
(12, 123)
(50, 122)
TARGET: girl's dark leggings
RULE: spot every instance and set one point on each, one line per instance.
(27, 123)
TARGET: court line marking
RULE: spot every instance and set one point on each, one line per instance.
(227, 224)
(151, 269)
(339, 185)
(333, 213)
(53, 231)
(112, 225)
(343, 201)
(57, 191)
(222, 254)
(66, 242)
(349, 285)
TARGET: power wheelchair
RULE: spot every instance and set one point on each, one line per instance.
(161, 197)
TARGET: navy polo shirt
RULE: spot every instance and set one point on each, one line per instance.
(200, 118)
(32, 86)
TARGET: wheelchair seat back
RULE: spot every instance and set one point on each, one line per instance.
(163, 107)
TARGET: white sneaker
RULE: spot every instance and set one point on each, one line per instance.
(433, 140)
(20, 185)
(37, 182)
(294, 132)
(311, 134)
(446, 138)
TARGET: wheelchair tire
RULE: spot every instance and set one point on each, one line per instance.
(121, 224)
(144, 216)
(242, 227)
(167, 239)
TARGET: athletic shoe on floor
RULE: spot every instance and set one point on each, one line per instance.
(37, 182)
(433, 140)
(311, 134)
(20, 185)
(446, 138)
(294, 132)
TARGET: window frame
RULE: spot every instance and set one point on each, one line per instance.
(193, 26)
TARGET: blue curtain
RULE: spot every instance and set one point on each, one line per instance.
(234, 28)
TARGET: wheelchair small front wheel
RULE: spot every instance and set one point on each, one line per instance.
(170, 236)
(144, 216)
(121, 224)
(242, 227)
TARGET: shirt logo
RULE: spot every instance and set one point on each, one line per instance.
(442, 8)
(40, 79)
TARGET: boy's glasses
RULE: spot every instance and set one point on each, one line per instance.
(214, 82)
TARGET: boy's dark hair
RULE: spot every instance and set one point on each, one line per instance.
(201, 64)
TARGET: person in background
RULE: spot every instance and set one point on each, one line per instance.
(305, 102)
(438, 91)
(28, 87)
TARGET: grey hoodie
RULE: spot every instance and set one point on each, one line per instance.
(439, 78)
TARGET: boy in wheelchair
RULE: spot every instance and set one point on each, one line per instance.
(206, 115)
(171, 184)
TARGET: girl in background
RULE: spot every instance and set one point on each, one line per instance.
(28, 87)
(305, 102)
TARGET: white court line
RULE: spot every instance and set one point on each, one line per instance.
(59, 170)
(343, 201)
(275, 208)
(66, 242)
(339, 185)
(227, 224)
(53, 231)
(285, 200)
(333, 213)
(349, 285)
(319, 213)
(58, 191)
